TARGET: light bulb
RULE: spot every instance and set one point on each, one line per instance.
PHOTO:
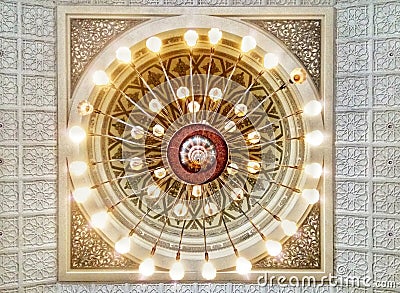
(146, 268)
(314, 138)
(123, 54)
(85, 108)
(310, 195)
(191, 37)
(123, 245)
(270, 60)
(243, 265)
(312, 108)
(81, 194)
(78, 168)
(298, 75)
(160, 173)
(100, 77)
(153, 191)
(210, 209)
(314, 170)
(154, 44)
(253, 167)
(177, 271)
(155, 106)
(193, 107)
(289, 227)
(196, 191)
(208, 271)
(137, 132)
(232, 169)
(77, 134)
(99, 220)
(158, 130)
(182, 92)
(240, 110)
(180, 209)
(273, 247)
(136, 163)
(230, 126)
(214, 35)
(237, 194)
(248, 43)
(254, 137)
(215, 94)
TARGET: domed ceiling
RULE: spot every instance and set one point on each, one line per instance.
(195, 147)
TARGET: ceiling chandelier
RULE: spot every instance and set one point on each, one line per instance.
(159, 172)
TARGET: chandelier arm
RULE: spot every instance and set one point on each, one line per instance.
(178, 253)
(229, 236)
(191, 81)
(153, 249)
(212, 50)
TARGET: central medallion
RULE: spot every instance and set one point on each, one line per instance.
(197, 153)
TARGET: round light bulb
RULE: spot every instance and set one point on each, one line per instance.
(137, 132)
(273, 247)
(196, 191)
(77, 134)
(298, 75)
(232, 169)
(99, 220)
(314, 138)
(160, 173)
(270, 60)
(78, 168)
(215, 94)
(208, 271)
(237, 194)
(182, 92)
(136, 163)
(289, 227)
(155, 106)
(314, 170)
(243, 266)
(240, 110)
(123, 54)
(210, 209)
(180, 209)
(100, 77)
(81, 194)
(153, 191)
(158, 130)
(310, 195)
(253, 167)
(312, 108)
(191, 37)
(177, 271)
(123, 245)
(254, 137)
(154, 44)
(146, 268)
(193, 107)
(230, 126)
(85, 108)
(214, 35)
(248, 43)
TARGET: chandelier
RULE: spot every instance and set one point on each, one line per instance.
(192, 171)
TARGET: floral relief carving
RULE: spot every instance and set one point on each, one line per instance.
(352, 57)
(386, 126)
(8, 89)
(386, 162)
(351, 196)
(8, 53)
(9, 269)
(352, 22)
(8, 198)
(386, 267)
(39, 196)
(8, 17)
(386, 18)
(351, 127)
(39, 265)
(38, 56)
(39, 230)
(386, 198)
(8, 162)
(8, 126)
(39, 91)
(386, 233)
(387, 54)
(39, 126)
(38, 20)
(39, 161)
(89, 36)
(351, 263)
(387, 90)
(351, 161)
(41, 289)
(9, 229)
(351, 231)
(302, 37)
(352, 92)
